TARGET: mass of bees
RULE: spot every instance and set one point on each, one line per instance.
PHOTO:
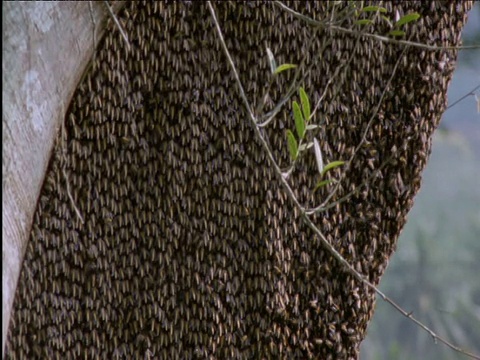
(189, 247)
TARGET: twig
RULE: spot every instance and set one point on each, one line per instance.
(317, 105)
(351, 193)
(337, 87)
(291, 90)
(271, 115)
(306, 217)
(336, 90)
(251, 115)
(273, 163)
(362, 141)
(326, 24)
(64, 155)
(330, 80)
(124, 35)
(471, 93)
(77, 211)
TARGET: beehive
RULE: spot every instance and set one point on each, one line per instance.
(189, 246)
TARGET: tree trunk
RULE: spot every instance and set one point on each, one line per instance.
(46, 47)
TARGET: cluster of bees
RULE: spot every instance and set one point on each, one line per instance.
(185, 244)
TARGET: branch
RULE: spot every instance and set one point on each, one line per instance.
(362, 141)
(124, 35)
(326, 24)
(337, 87)
(291, 90)
(305, 216)
(351, 193)
(251, 115)
(63, 140)
(471, 93)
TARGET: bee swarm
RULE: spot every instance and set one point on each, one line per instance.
(189, 246)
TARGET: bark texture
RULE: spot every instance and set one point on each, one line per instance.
(46, 48)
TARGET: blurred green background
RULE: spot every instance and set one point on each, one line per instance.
(435, 271)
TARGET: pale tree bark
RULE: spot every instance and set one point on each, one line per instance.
(46, 48)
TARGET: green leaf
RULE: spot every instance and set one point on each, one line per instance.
(312, 126)
(299, 122)
(305, 104)
(364, 22)
(374, 9)
(322, 183)
(284, 67)
(292, 145)
(396, 33)
(332, 165)
(407, 18)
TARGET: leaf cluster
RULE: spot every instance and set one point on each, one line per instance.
(395, 25)
(302, 116)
